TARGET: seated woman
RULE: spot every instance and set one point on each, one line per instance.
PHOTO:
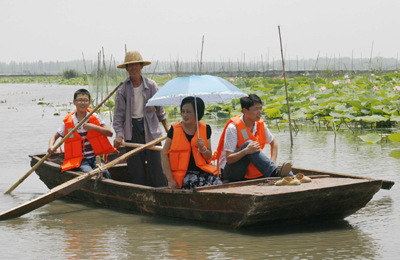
(185, 157)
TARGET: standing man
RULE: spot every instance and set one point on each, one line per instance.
(239, 151)
(136, 123)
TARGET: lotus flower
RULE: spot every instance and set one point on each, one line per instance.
(312, 99)
(273, 78)
(396, 88)
(335, 83)
(281, 78)
(348, 81)
(346, 76)
(232, 80)
(395, 71)
(375, 88)
(322, 88)
(372, 75)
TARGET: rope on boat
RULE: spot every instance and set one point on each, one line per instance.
(99, 175)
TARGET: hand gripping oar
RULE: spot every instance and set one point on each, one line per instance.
(61, 142)
(71, 185)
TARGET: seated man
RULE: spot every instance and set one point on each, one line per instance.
(239, 151)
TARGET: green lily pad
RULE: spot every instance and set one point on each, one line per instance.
(395, 154)
(395, 118)
(370, 138)
(272, 112)
(370, 119)
(394, 137)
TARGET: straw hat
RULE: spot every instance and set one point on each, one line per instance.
(133, 57)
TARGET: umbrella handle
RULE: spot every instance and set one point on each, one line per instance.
(197, 121)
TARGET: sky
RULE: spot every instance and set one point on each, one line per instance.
(164, 30)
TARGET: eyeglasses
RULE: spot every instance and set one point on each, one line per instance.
(82, 100)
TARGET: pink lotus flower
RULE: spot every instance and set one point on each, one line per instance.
(232, 80)
(281, 78)
(322, 88)
(273, 78)
(372, 75)
(375, 88)
(395, 71)
(346, 76)
(335, 83)
(396, 88)
(348, 81)
(312, 99)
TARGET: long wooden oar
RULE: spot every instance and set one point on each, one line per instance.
(70, 186)
(135, 145)
(61, 142)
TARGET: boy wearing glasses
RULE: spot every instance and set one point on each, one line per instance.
(89, 140)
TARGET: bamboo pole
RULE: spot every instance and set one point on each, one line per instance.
(154, 71)
(201, 57)
(287, 97)
(106, 79)
(84, 64)
(136, 145)
(61, 142)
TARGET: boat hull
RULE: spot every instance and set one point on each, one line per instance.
(251, 203)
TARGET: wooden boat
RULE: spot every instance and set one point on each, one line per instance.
(238, 204)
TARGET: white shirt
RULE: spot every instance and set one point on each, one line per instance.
(231, 140)
(138, 102)
(61, 130)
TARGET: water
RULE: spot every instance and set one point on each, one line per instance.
(66, 229)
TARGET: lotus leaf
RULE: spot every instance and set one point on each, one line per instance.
(236, 113)
(340, 108)
(371, 119)
(337, 115)
(298, 115)
(370, 138)
(394, 137)
(272, 112)
(395, 118)
(223, 115)
(354, 103)
(280, 99)
(395, 154)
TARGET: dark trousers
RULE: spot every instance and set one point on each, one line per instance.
(236, 171)
(137, 163)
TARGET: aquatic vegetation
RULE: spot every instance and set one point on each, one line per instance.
(47, 81)
(370, 138)
(394, 137)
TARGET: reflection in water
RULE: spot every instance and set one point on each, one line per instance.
(71, 230)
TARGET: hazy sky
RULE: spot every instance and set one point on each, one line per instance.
(60, 30)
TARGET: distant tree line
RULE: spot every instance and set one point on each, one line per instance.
(225, 67)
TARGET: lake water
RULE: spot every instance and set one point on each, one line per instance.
(67, 229)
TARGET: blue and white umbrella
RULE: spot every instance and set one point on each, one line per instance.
(211, 89)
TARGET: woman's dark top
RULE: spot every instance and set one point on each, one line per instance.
(192, 164)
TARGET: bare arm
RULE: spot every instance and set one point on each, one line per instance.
(206, 153)
(165, 124)
(104, 130)
(274, 150)
(166, 166)
(52, 141)
(232, 157)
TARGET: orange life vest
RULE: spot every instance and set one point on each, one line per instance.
(180, 150)
(74, 145)
(243, 135)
